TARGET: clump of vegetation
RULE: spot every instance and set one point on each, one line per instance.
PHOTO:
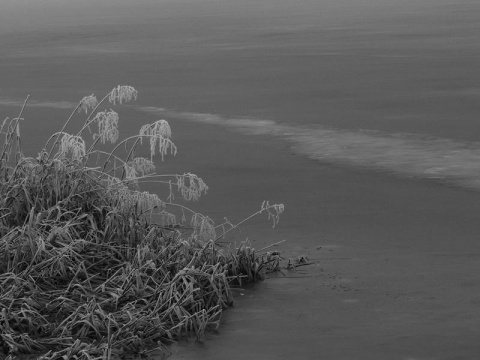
(91, 267)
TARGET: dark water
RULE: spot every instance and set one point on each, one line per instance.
(388, 84)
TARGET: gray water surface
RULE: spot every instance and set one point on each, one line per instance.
(377, 83)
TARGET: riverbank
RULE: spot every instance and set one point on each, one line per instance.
(93, 265)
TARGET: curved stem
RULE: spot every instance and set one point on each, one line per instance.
(182, 207)
(13, 131)
(131, 152)
(17, 124)
(115, 149)
(133, 148)
(237, 225)
(8, 138)
(124, 141)
(61, 131)
(88, 121)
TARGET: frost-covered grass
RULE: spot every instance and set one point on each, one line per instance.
(93, 267)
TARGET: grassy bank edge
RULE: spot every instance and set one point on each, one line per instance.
(91, 266)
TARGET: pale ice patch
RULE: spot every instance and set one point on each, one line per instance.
(37, 103)
(10, 102)
(406, 154)
(254, 126)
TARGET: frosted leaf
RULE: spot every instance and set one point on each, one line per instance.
(3, 124)
(273, 211)
(191, 186)
(130, 172)
(59, 165)
(167, 218)
(122, 93)
(159, 134)
(113, 181)
(142, 166)
(171, 196)
(158, 128)
(17, 125)
(203, 227)
(107, 126)
(127, 199)
(88, 102)
(147, 201)
(71, 144)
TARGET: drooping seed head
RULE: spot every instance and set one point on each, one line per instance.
(122, 93)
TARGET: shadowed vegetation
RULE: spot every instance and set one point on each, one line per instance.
(92, 267)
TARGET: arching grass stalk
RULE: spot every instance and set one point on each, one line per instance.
(274, 211)
(83, 104)
(13, 132)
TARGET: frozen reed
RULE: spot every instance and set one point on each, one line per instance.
(91, 267)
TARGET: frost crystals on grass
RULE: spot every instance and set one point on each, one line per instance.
(73, 144)
(122, 93)
(93, 268)
(142, 166)
(203, 227)
(107, 126)
(88, 102)
(195, 186)
(159, 133)
(274, 211)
